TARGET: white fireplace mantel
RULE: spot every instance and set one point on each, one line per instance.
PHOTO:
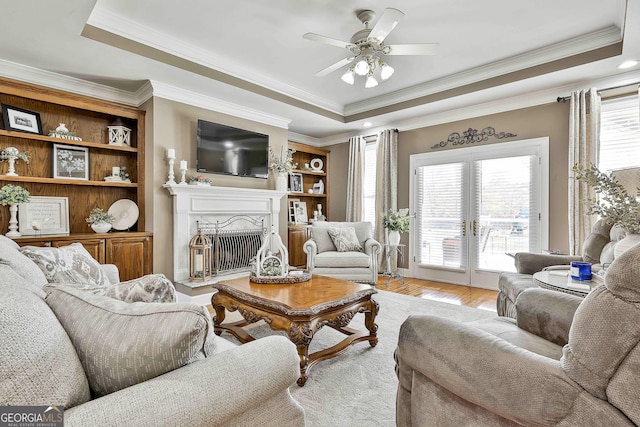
(195, 202)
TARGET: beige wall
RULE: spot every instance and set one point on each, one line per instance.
(550, 120)
(173, 125)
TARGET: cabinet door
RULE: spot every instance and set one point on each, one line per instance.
(132, 255)
(94, 246)
(297, 236)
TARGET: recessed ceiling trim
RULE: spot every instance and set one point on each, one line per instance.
(36, 76)
(173, 93)
(588, 42)
(126, 28)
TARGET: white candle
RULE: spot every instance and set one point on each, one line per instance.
(171, 153)
(198, 263)
(115, 171)
(183, 164)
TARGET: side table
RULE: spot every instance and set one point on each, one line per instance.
(398, 273)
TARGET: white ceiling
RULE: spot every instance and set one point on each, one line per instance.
(252, 54)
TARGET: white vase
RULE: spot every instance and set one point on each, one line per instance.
(394, 237)
(281, 182)
(625, 244)
(12, 168)
(13, 222)
(101, 227)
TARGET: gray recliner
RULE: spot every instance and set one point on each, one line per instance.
(597, 249)
(324, 259)
(566, 361)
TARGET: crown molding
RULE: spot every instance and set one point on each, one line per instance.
(305, 139)
(135, 31)
(501, 105)
(582, 44)
(163, 90)
(36, 76)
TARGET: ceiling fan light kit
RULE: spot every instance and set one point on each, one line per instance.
(367, 44)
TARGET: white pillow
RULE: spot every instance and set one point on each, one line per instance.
(345, 239)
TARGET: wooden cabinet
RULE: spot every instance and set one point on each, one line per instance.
(132, 253)
(87, 118)
(303, 155)
(298, 234)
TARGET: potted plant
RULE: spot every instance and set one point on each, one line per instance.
(100, 221)
(11, 154)
(12, 195)
(396, 222)
(281, 166)
(614, 204)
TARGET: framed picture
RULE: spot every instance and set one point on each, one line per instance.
(295, 182)
(70, 162)
(300, 212)
(292, 210)
(44, 215)
(20, 120)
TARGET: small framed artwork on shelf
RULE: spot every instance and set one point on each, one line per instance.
(318, 187)
(292, 210)
(70, 162)
(44, 215)
(300, 212)
(19, 120)
(295, 182)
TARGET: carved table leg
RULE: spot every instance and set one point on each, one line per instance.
(218, 318)
(301, 334)
(369, 322)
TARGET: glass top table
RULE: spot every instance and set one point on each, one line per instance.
(560, 280)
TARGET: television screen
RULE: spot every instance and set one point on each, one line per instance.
(231, 151)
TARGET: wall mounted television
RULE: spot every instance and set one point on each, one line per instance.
(231, 151)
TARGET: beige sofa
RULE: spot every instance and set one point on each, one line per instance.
(597, 249)
(355, 265)
(109, 362)
(551, 367)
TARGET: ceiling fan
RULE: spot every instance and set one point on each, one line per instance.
(367, 44)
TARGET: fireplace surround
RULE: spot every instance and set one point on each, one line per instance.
(193, 204)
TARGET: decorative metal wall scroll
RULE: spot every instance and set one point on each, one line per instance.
(470, 136)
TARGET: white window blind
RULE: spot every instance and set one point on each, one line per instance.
(619, 133)
(369, 187)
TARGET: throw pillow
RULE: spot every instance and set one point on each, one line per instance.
(67, 264)
(38, 364)
(345, 239)
(121, 344)
(149, 288)
(10, 255)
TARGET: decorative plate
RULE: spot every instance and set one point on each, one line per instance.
(316, 164)
(126, 213)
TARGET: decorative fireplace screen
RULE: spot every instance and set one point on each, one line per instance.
(235, 242)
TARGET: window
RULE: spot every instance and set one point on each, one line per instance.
(619, 133)
(369, 187)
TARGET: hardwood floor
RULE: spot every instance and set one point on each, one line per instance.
(484, 299)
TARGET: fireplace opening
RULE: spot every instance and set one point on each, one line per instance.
(235, 241)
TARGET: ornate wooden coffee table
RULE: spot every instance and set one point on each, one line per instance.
(300, 310)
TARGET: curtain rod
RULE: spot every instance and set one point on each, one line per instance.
(567, 98)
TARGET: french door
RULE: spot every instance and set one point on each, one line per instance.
(474, 207)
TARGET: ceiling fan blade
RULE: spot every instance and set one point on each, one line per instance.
(330, 69)
(413, 49)
(386, 24)
(326, 40)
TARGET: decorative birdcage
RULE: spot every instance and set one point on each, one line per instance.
(272, 259)
(200, 257)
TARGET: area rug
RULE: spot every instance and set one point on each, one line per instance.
(358, 387)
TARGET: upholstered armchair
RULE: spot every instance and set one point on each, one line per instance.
(344, 250)
(550, 367)
(598, 248)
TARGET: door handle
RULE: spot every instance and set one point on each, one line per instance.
(464, 228)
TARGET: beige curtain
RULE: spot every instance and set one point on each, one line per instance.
(355, 179)
(584, 147)
(386, 181)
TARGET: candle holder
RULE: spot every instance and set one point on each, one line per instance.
(171, 157)
(183, 172)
